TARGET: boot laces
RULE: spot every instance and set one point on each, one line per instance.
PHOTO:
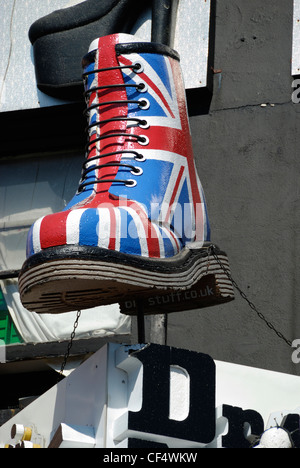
(142, 103)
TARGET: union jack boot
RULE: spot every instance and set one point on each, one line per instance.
(137, 225)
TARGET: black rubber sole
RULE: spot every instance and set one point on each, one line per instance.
(62, 279)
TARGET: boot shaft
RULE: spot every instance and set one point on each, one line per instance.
(139, 144)
(139, 192)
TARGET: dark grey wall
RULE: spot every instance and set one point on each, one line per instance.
(248, 161)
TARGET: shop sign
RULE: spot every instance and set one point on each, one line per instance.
(158, 398)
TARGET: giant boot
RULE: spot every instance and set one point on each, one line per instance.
(138, 225)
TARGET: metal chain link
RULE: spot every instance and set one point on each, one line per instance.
(251, 305)
(70, 344)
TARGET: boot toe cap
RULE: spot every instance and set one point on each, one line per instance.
(112, 228)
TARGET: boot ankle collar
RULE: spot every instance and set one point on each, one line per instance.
(146, 47)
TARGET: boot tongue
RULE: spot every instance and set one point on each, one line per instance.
(120, 38)
(107, 116)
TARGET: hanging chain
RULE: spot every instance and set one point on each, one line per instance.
(70, 344)
(211, 251)
(251, 305)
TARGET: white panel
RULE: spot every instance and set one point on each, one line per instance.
(17, 76)
(192, 40)
(79, 400)
(262, 390)
(296, 39)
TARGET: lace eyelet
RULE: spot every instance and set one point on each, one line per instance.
(137, 67)
(130, 183)
(143, 140)
(144, 104)
(144, 124)
(142, 87)
(140, 158)
(137, 171)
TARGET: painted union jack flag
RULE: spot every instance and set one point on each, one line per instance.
(139, 192)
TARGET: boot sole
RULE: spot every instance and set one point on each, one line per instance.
(67, 278)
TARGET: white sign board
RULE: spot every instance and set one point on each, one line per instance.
(156, 396)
